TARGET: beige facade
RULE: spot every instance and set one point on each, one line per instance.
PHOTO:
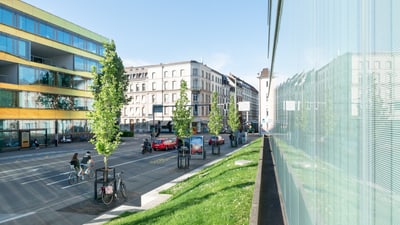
(160, 85)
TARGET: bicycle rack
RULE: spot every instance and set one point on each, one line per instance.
(105, 179)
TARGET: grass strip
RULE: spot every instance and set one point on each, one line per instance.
(219, 194)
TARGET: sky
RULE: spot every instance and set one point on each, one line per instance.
(229, 36)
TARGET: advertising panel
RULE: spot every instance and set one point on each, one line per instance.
(25, 139)
(197, 146)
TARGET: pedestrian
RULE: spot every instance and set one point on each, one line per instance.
(56, 139)
(36, 143)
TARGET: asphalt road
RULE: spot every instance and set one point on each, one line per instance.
(34, 187)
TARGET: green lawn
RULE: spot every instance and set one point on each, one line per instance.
(219, 194)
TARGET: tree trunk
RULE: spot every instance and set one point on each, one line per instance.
(105, 173)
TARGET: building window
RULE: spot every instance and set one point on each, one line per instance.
(181, 72)
(173, 73)
(195, 98)
(166, 98)
(173, 85)
(153, 86)
(165, 85)
(143, 87)
(153, 99)
(137, 87)
(195, 84)
(195, 71)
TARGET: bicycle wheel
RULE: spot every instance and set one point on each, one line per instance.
(91, 174)
(106, 198)
(122, 189)
(72, 178)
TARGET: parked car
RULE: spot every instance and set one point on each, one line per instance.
(219, 140)
(163, 144)
(66, 139)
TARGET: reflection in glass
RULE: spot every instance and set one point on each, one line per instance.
(338, 114)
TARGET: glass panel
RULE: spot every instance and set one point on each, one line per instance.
(79, 83)
(8, 98)
(46, 31)
(23, 49)
(3, 43)
(337, 116)
(64, 80)
(26, 24)
(26, 75)
(6, 16)
(79, 63)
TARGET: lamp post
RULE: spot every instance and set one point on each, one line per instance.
(162, 91)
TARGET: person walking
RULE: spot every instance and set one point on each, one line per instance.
(56, 139)
(36, 143)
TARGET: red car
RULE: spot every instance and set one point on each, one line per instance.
(163, 144)
(219, 140)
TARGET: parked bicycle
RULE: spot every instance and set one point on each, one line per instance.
(108, 192)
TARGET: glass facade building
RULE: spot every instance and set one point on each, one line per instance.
(336, 141)
(45, 74)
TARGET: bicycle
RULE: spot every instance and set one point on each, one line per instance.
(87, 171)
(73, 175)
(108, 192)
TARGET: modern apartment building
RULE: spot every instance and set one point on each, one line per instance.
(45, 74)
(160, 85)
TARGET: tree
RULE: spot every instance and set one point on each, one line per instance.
(215, 122)
(109, 88)
(233, 117)
(182, 115)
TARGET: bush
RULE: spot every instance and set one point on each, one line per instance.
(127, 133)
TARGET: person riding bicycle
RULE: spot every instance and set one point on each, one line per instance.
(146, 143)
(89, 165)
(85, 160)
(75, 162)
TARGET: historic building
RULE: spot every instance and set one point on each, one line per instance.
(159, 86)
(45, 74)
(267, 101)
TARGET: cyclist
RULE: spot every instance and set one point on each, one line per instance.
(89, 165)
(85, 160)
(76, 164)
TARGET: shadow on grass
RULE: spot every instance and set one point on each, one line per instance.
(153, 218)
(207, 177)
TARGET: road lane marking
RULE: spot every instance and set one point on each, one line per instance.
(16, 217)
(45, 178)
